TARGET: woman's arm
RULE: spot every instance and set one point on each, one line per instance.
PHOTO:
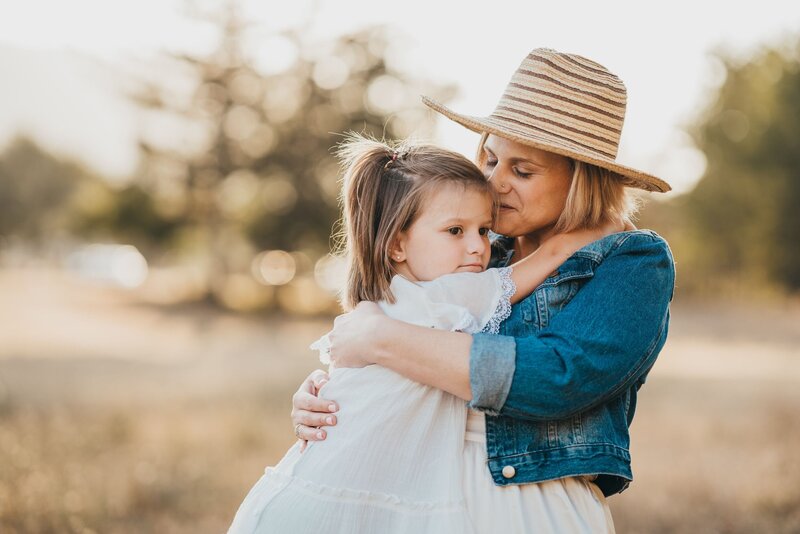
(604, 341)
(606, 338)
(446, 367)
(434, 357)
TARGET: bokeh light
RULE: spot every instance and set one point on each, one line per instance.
(274, 267)
(121, 265)
(330, 272)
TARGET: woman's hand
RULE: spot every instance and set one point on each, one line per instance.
(353, 339)
(309, 412)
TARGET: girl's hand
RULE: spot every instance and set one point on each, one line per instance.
(353, 338)
(309, 412)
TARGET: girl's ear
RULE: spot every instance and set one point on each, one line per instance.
(397, 251)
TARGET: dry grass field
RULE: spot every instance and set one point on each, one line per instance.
(117, 416)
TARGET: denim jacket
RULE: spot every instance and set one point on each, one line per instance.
(559, 384)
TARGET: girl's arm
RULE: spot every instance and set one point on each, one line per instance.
(369, 331)
(531, 271)
(597, 346)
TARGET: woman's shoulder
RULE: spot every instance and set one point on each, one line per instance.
(638, 253)
(630, 242)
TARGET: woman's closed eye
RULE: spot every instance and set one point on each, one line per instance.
(522, 174)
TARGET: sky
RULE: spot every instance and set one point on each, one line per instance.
(55, 59)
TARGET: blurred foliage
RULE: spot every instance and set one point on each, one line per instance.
(739, 229)
(256, 169)
(36, 189)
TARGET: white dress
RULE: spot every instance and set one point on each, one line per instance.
(400, 458)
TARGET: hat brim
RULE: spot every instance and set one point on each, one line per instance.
(634, 177)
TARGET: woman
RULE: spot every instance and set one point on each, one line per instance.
(558, 385)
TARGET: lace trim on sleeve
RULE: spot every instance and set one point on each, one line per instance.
(503, 309)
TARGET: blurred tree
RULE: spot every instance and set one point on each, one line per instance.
(741, 223)
(35, 189)
(254, 169)
(102, 212)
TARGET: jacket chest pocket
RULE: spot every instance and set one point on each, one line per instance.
(559, 289)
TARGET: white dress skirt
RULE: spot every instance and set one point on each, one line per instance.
(573, 504)
(402, 457)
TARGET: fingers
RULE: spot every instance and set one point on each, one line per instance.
(317, 374)
(308, 433)
(310, 383)
(318, 378)
(306, 401)
(313, 419)
(309, 412)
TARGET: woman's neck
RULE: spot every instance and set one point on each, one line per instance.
(526, 245)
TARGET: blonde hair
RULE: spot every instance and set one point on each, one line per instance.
(385, 188)
(596, 195)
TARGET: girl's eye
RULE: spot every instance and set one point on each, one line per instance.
(483, 231)
(455, 230)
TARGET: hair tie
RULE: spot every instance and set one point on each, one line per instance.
(395, 155)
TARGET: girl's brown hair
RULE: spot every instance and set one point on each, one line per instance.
(385, 186)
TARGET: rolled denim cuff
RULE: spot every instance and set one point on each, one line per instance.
(492, 361)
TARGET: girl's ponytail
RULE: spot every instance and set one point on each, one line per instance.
(383, 190)
(367, 163)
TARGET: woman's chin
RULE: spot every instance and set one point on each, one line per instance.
(504, 229)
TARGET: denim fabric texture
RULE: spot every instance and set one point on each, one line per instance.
(559, 384)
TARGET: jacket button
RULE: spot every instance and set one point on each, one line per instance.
(509, 471)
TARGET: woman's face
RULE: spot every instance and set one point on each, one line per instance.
(532, 185)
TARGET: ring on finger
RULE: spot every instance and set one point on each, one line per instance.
(297, 430)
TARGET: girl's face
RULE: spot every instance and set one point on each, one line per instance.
(450, 235)
(532, 186)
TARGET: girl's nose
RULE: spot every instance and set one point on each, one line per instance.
(476, 244)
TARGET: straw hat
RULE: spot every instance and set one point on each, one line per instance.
(566, 104)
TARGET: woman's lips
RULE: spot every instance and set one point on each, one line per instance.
(506, 207)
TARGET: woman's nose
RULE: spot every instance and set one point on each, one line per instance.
(495, 179)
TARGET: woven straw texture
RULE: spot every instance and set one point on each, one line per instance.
(566, 104)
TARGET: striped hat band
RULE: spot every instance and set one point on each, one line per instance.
(566, 104)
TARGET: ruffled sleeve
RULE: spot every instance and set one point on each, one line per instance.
(323, 345)
(470, 302)
(502, 309)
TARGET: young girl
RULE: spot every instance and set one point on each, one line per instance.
(417, 221)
